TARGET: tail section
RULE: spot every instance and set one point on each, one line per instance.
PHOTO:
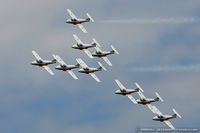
(114, 50)
(176, 113)
(159, 97)
(89, 17)
(53, 61)
(77, 65)
(94, 44)
(95, 41)
(139, 87)
(101, 66)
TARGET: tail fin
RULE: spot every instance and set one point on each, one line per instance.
(159, 97)
(101, 66)
(89, 17)
(94, 44)
(114, 50)
(54, 61)
(77, 65)
(176, 113)
(138, 87)
(95, 41)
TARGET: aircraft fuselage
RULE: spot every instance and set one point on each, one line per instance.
(41, 63)
(163, 118)
(88, 70)
(145, 101)
(82, 46)
(65, 68)
(77, 21)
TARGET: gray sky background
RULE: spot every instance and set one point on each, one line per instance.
(161, 55)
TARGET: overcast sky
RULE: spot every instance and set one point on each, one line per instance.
(159, 46)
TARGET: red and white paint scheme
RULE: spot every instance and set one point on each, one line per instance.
(42, 63)
(77, 21)
(64, 67)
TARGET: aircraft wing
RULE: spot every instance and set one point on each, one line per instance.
(48, 70)
(151, 108)
(77, 39)
(36, 55)
(132, 98)
(82, 28)
(121, 86)
(155, 110)
(88, 53)
(169, 124)
(71, 14)
(95, 77)
(97, 48)
(59, 59)
(107, 61)
(82, 63)
(72, 74)
(141, 95)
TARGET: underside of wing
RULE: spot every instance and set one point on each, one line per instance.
(77, 39)
(132, 99)
(107, 61)
(59, 59)
(121, 86)
(82, 28)
(88, 53)
(151, 108)
(141, 95)
(156, 110)
(48, 70)
(169, 124)
(95, 77)
(82, 63)
(36, 55)
(71, 14)
(72, 74)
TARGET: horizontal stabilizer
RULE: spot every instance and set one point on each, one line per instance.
(95, 41)
(114, 49)
(176, 113)
(138, 86)
(160, 98)
(89, 16)
(102, 66)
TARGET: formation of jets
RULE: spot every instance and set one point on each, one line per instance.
(99, 53)
(147, 101)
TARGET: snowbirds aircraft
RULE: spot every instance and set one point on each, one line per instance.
(42, 63)
(83, 46)
(64, 67)
(165, 118)
(102, 54)
(89, 70)
(77, 21)
(126, 92)
(147, 101)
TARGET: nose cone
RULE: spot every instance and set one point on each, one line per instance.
(74, 46)
(155, 118)
(57, 67)
(68, 20)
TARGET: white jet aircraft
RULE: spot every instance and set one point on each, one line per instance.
(76, 21)
(64, 67)
(88, 70)
(147, 101)
(165, 118)
(83, 46)
(102, 54)
(42, 63)
(126, 92)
